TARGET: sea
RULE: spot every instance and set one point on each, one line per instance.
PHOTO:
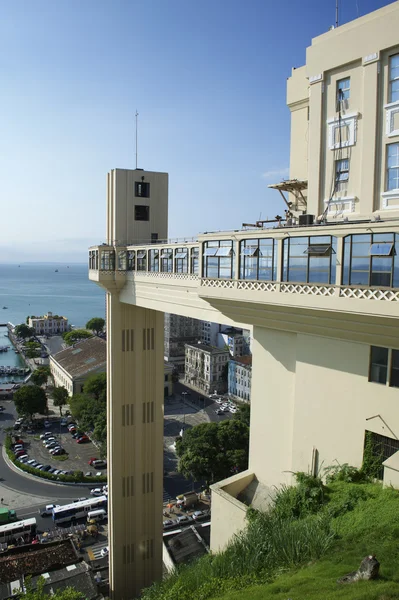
(37, 288)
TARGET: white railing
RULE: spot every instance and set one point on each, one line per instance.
(166, 275)
(369, 294)
(258, 286)
(308, 289)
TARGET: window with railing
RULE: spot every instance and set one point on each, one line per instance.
(371, 260)
(131, 260)
(194, 258)
(218, 259)
(258, 259)
(181, 260)
(121, 260)
(107, 260)
(310, 259)
(141, 260)
(154, 260)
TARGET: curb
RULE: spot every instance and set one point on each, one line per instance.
(14, 467)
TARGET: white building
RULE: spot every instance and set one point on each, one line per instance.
(205, 368)
(234, 340)
(179, 331)
(209, 333)
(48, 324)
(71, 367)
(239, 379)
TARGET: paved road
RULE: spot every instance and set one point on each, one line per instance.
(53, 344)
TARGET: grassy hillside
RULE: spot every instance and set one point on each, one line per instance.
(314, 535)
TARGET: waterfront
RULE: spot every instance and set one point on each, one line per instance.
(9, 359)
(36, 288)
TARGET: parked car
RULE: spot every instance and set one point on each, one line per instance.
(19, 453)
(48, 440)
(47, 424)
(56, 447)
(63, 422)
(218, 411)
(46, 468)
(52, 470)
(58, 451)
(51, 445)
(99, 464)
(96, 492)
(219, 400)
(105, 551)
(23, 458)
(183, 520)
(46, 435)
(71, 426)
(2, 408)
(31, 461)
(83, 440)
(233, 409)
(169, 523)
(226, 409)
(38, 466)
(91, 461)
(78, 435)
(18, 447)
(199, 515)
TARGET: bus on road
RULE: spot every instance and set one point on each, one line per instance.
(78, 510)
(25, 529)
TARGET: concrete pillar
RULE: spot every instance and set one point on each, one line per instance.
(135, 376)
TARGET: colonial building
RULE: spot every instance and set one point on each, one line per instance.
(71, 367)
(320, 288)
(49, 324)
(206, 368)
(179, 331)
(239, 378)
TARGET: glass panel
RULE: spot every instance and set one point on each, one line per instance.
(378, 364)
(362, 249)
(360, 264)
(210, 251)
(394, 91)
(359, 278)
(361, 237)
(297, 275)
(248, 251)
(380, 279)
(211, 269)
(347, 250)
(318, 249)
(319, 277)
(381, 263)
(225, 268)
(394, 380)
(383, 237)
(226, 251)
(393, 179)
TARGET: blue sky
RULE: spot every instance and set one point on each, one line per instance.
(208, 79)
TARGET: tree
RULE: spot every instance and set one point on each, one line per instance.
(30, 399)
(243, 413)
(96, 386)
(40, 376)
(95, 324)
(213, 451)
(60, 397)
(39, 594)
(76, 335)
(23, 331)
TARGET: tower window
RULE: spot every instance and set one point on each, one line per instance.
(393, 95)
(141, 213)
(142, 189)
(343, 89)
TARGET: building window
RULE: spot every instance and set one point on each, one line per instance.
(371, 260)
(343, 90)
(309, 259)
(393, 95)
(194, 257)
(154, 237)
(218, 259)
(141, 213)
(341, 174)
(107, 260)
(382, 362)
(181, 260)
(154, 260)
(131, 260)
(122, 260)
(142, 189)
(392, 167)
(382, 448)
(258, 259)
(378, 365)
(167, 260)
(141, 260)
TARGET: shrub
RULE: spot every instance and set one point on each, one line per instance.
(345, 473)
(307, 497)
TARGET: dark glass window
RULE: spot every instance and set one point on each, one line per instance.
(394, 380)
(141, 213)
(309, 259)
(258, 259)
(142, 189)
(218, 259)
(382, 447)
(370, 260)
(141, 260)
(378, 364)
(154, 237)
(107, 260)
(131, 260)
(181, 260)
(194, 260)
(167, 260)
(154, 260)
(122, 260)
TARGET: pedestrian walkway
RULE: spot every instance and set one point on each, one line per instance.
(94, 552)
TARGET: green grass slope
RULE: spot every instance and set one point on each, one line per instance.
(313, 536)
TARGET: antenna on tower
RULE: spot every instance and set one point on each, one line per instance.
(136, 115)
(336, 13)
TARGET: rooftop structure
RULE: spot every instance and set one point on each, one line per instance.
(72, 366)
(320, 289)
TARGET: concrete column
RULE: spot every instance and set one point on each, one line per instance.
(368, 140)
(135, 375)
(316, 129)
(272, 405)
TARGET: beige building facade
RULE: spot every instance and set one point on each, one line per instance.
(319, 290)
(205, 368)
(49, 324)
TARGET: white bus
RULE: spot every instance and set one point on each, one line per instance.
(77, 510)
(25, 528)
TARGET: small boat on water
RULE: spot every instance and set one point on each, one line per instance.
(56, 271)
(16, 351)
(5, 307)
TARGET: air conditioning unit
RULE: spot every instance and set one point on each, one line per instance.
(304, 220)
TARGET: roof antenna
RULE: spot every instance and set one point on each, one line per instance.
(336, 13)
(136, 115)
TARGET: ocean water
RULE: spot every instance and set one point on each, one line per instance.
(36, 288)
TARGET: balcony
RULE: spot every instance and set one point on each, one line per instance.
(326, 268)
